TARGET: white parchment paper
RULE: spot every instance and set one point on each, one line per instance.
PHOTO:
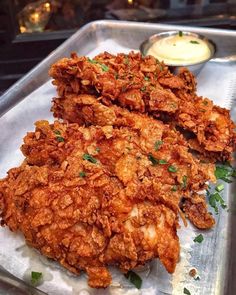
(215, 81)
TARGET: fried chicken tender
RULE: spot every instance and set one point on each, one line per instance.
(145, 85)
(85, 208)
(89, 197)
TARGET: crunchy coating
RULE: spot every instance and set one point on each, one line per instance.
(145, 85)
(90, 197)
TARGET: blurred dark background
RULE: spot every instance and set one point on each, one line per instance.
(30, 30)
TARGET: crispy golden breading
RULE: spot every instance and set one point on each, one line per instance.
(145, 85)
(196, 211)
(90, 197)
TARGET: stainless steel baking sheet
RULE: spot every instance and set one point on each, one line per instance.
(214, 258)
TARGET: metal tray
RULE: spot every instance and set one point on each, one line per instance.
(214, 258)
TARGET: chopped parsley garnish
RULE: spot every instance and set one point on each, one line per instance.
(180, 34)
(143, 88)
(186, 291)
(98, 149)
(36, 277)
(89, 158)
(194, 42)
(134, 279)
(146, 79)
(174, 188)
(212, 202)
(172, 168)
(82, 174)
(198, 239)
(57, 132)
(162, 162)
(126, 62)
(219, 187)
(214, 199)
(158, 144)
(152, 159)
(60, 139)
(104, 67)
(184, 184)
(174, 44)
(205, 102)
(92, 61)
(225, 173)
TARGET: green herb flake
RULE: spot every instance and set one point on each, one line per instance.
(89, 158)
(143, 88)
(174, 44)
(172, 168)
(212, 202)
(184, 184)
(198, 239)
(36, 277)
(92, 61)
(104, 68)
(174, 188)
(194, 42)
(126, 62)
(224, 172)
(180, 34)
(162, 162)
(186, 291)
(60, 139)
(220, 187)
(82, 174)
(57, 132)
(205, 102)
(158, 144)
(98, 149)
(134, 279)
(234, 173)
(153, 159)
(146, 78)
(214, 199)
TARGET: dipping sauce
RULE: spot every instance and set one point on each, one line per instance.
(180, 49)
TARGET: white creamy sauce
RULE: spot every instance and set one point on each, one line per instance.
(180, 49)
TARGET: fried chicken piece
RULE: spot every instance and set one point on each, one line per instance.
(145, 85)
(196, 211)
(87, 212)
(90, 197)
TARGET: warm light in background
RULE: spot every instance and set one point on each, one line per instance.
(130, 2)
(22, 29)
(34, 17)
(47, 7)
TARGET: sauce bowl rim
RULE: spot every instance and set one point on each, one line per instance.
(145, 45)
